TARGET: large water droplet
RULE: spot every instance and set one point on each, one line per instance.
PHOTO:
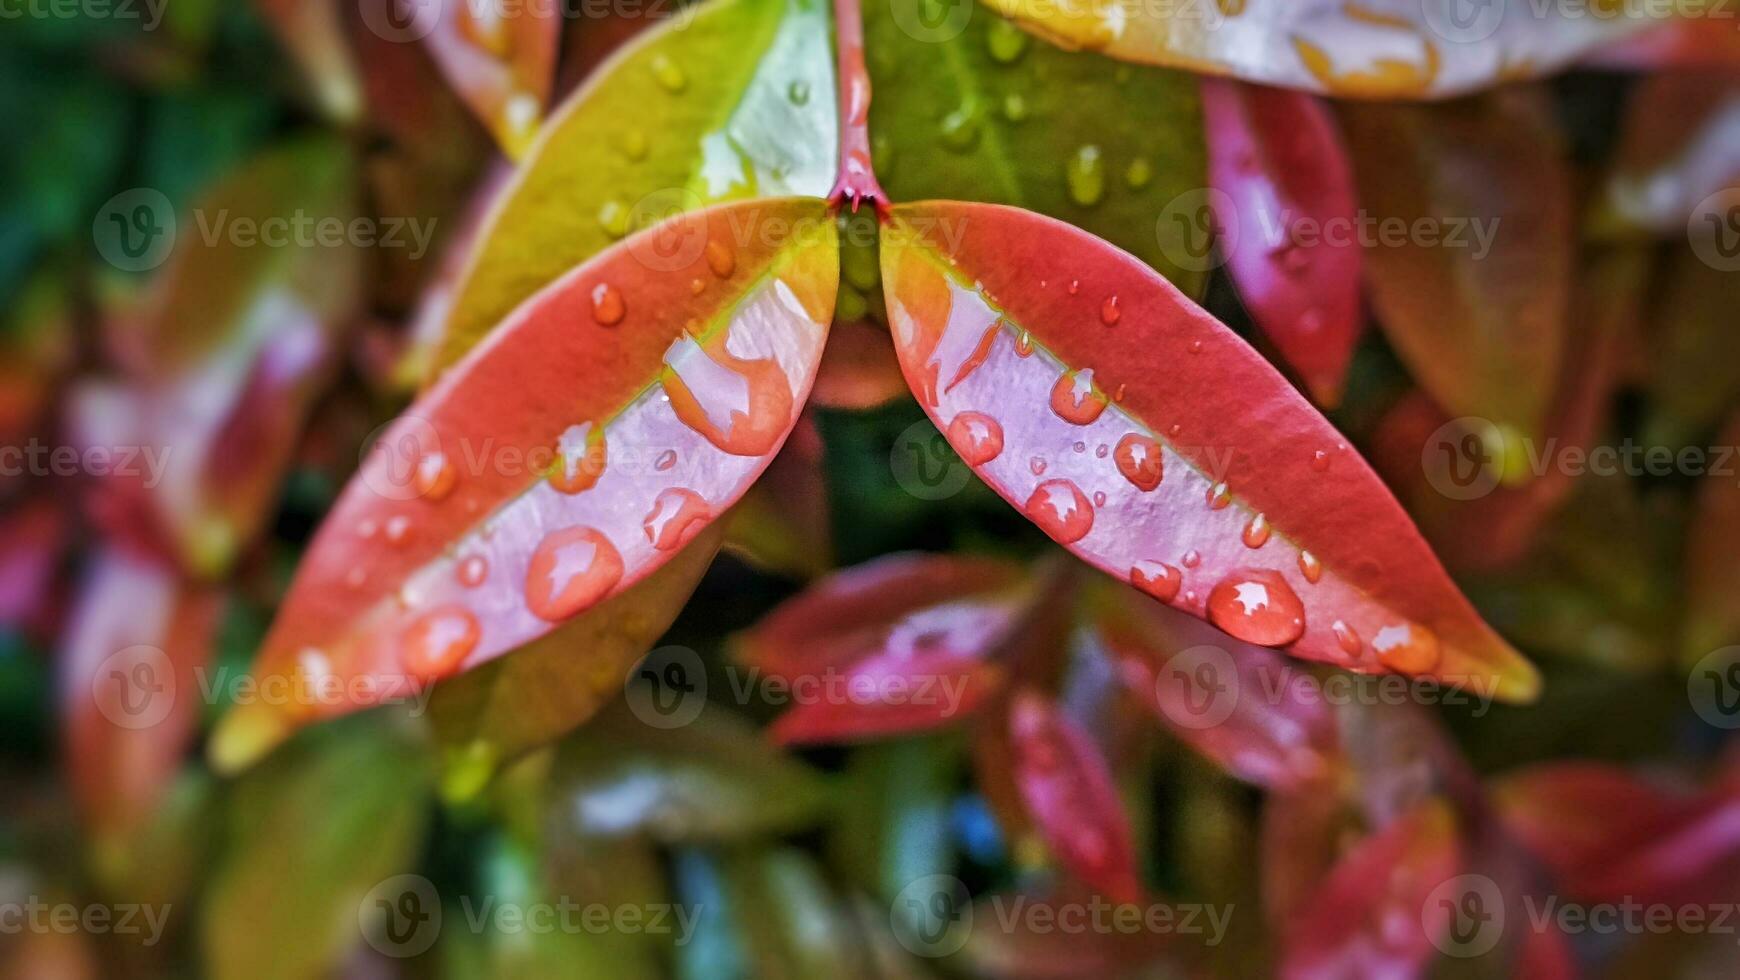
(1075, 399)
(1257, 606)
(977, 437)
(1061, 510)
(570, 571)
(1156, 578)
(607, 305)
(435, 476)
(1408, 648)
(721, 259)
(1310, 567)
(742, 406)
(438, 641)
(1138, 458)
(1085, 174)
(677, 514)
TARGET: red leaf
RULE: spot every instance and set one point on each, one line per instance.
(859, 369)
(33, 540)
(1238, 704)
(1371, 916)
(1675, 149)
(601, 425)
(501, 60)
(904, 639)
(1286, 210)
(1163, 450)
(130, 691)
(783, 524)
(1068, 789)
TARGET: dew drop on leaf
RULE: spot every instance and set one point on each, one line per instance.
(1256, 533)
(435, 476)
(1109, 312)
(668, 74)
(1257, 606)
(1407, 647)
(1310, 567)
(1138, 459)
(1075, 399)
(1005, 41)
(1061, 510)
(472, 570)
(570, 571)
(1156, 578)
(1345, 635)
(1085, 174)
(438, 641)
(977, 437)
(676, 515)
(607, 305)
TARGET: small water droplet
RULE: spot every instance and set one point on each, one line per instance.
(1138, 458)
(676, 515)
(398, 529)
(367, 527)
(1061, 510)
(1024, 344)
(1345, 635)
(472, 570)
(1036, 465)
(798, 92)
(1005, 41)
(1256, 532)
(633, 144)
(1138, 173)
(438, 641)
(571, 570)
(1156, 578)
(1196, 347)
(1074, 286)
(607, 305)
(1079, 447)
(581, 455)
(1085, 174)
(1075, 399)
(1192, 558)
(356, 577)
(1102, 450)
(435, 476)
(666, 460)
(1099, 498)
(1408, 648)
(1257, 606)
(668, 73)
(977, 437)
(1014, 107)
(1109, 312)
(1310, 567)
(613, 218)
(1320, 461)
(1219, 496)
(721, 259)
(960, 128)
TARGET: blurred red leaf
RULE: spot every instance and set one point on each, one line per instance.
(1477, 310)
(783, 523)
(601, 426)
(1286, 212)
(1243, 706)
(34, 537)
(1068, 789)
(1675, 149)
(859, 369)
(131, 689)
(1227, 495)
(501, 58)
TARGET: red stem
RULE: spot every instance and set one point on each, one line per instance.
(857, 178)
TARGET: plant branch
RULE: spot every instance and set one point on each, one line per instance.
(856, 181)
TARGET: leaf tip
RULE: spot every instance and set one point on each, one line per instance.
(243, 737)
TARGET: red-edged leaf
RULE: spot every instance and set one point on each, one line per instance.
(905, 640)
(227, 365)
(1163, 450)
(1372, 917)
(599, 428)
(1286, 213)
(1379, 49)
(1472, 279)
(1712, 582)
(1068, 788)
(1676, 148)
(500, 58)
(1472, 521)
(783, 523)
(1238, 704)
(33, 540)
(129, 686)
(859, 370)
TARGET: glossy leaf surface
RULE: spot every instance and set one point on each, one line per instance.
(500, 58)
(1287, 221)
(1163, 450)
(1384, 49)
(696, 110)
(603, 425)
(1472, 282)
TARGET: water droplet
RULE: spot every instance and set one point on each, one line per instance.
(613, 218)
(1219, 496)
(1061, 510)
(607, 305)
(1156, 578)
(1310, 567)
(366, 528)
(1074, 286)
(438, 641)
(571, 570)
(721, 259)
(668, 73)
(472, 570)
(633, 145)
(1257, 606)
(1320, 461)
(1014, 107)
(1407, 648)
(1079, 447)
(676, 515)
(1192, 558)
(1256, 532)
(581, 455)
(740, 405)
(977, 437)
(1138, 173)
(1345, 635)
(1036, 465)
(1024, 344)
(1086, 176)
(1196, 347)
(1102, 450)
(1075, 399)
(666, 460)
(798, 92)
(1099, 498)
(697, 286)
(435, 476)
(1005, 41)
(960, 128)
(1109, 312)
(398, 529)
(1138, 458)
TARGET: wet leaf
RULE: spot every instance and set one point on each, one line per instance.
(1383, 49)
(634, 145)
(488, 717)
(499, 57)
(898, 645)
(987, 114)
(1243, 706)
(310, 835)
(227, 363)
(1371, 916)
(1067, 786)
(714, 779)
(1472, 279)
(1675, 149)
(1163, 450)
(859, 369)
(1712, 576)
(1287, 221)
(132, 666)
(605, 423)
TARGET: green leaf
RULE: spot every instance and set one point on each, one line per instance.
(992, 115)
